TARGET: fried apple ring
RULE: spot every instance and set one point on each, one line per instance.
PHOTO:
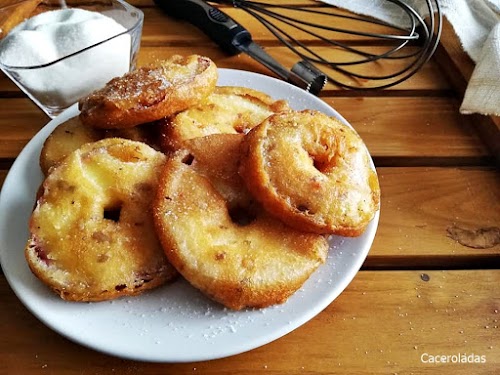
(311, 171)
(92, 235)
(72, 134)
(150, 93)
(65, 139)
(219, 239)
(229, 109)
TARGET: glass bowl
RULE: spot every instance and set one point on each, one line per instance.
(59, 57)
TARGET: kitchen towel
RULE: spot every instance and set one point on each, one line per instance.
(477, 25)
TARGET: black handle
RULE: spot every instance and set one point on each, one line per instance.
(221, 28)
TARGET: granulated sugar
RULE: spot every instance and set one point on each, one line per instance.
(52, 35)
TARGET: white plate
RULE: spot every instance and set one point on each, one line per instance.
(174, 323)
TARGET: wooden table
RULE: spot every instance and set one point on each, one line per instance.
(419, 291)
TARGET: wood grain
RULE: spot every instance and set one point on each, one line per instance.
(305, 3)
(428, 79)
(161, 28)
(174, 36)
(20, 120)
(419, 205)
(7, 87)
(458, 68)
(419, 128)
(419, 291)
(382, 323)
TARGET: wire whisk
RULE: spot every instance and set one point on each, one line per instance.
(367, 54)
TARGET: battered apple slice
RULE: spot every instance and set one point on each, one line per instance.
(150, 93)
(219, 238)
(92, 236)
(229, 109)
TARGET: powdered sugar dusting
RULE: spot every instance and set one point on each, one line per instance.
(175, 322)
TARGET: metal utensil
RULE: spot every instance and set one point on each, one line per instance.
(414, 44)
(234, 38)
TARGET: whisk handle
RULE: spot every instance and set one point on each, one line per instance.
(221, 28)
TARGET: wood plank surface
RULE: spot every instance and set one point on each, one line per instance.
(419, 128)
(305, 3)
(426, 285)
(20, 120)
(382, 324)
(421, 205)
(162, 29)
(458, 71)
(428, 79)
(7, 87)
(176, 36)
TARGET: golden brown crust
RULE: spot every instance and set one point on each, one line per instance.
(92, 236)
(72, 134)
(229, 109)
(150, 93)
(65, 139)
(312, 172)
(219, 239)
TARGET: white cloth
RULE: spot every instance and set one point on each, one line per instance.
(477, 24)
(483, 92)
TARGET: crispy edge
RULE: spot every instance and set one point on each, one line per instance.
(258, 183)
(229, 294)
(172, 141)
(107, 115)
(40, 270)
